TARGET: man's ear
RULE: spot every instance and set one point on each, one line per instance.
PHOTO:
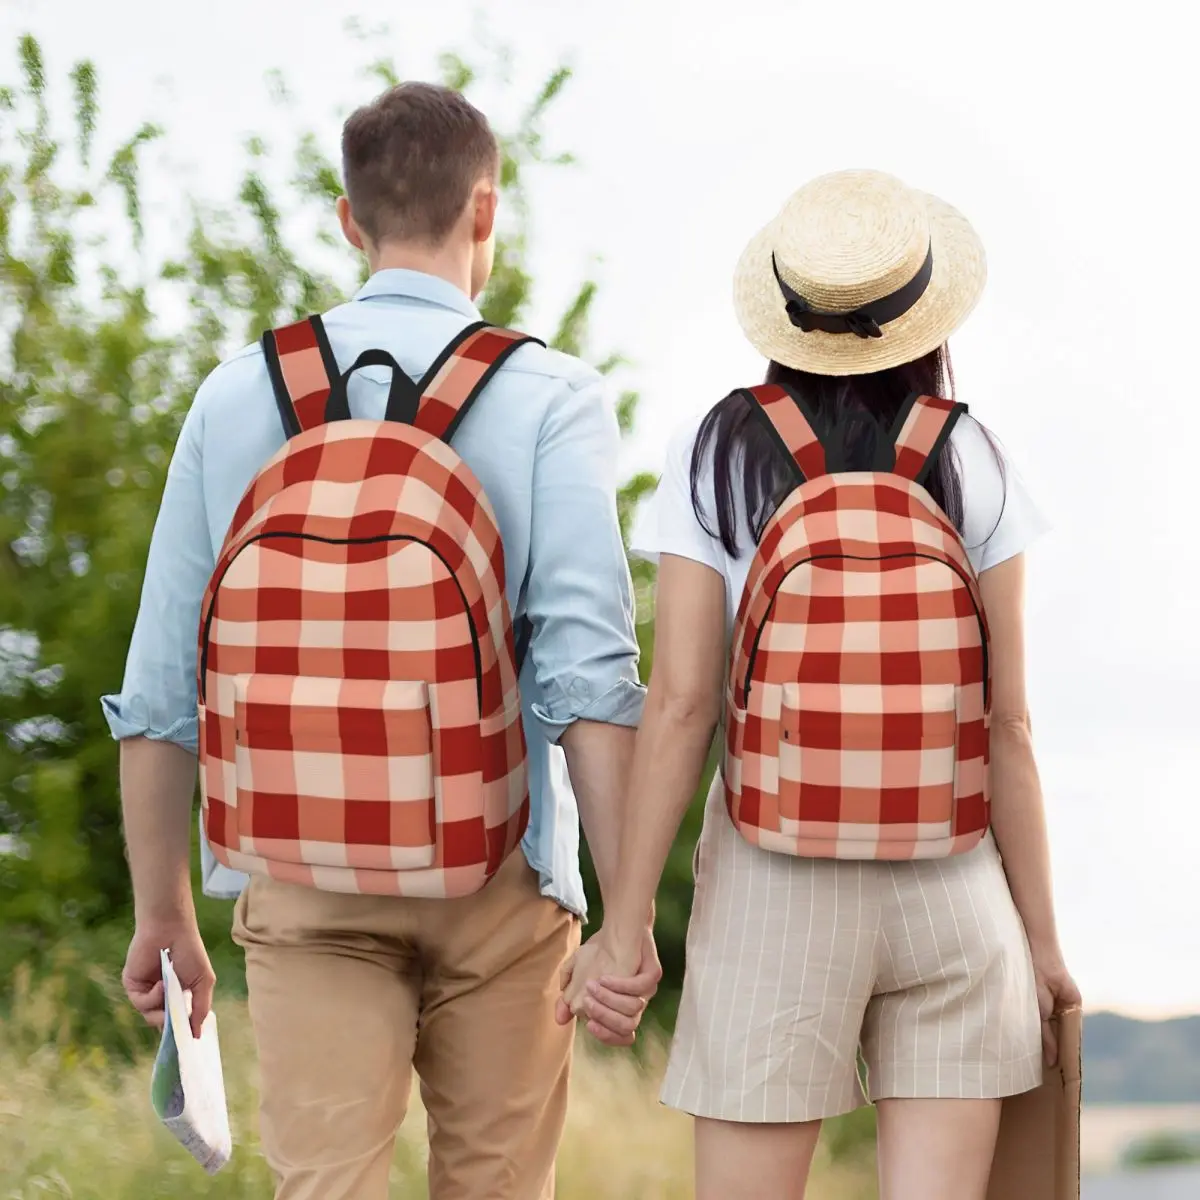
(485, 200)
(350, 229)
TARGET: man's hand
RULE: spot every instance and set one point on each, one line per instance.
(142, 976)
(608, 989)
(157, 781)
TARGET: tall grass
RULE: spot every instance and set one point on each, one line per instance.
(77, 1123)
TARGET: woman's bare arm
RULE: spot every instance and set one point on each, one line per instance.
(1018, 814)
(683, 706)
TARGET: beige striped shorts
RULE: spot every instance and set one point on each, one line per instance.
(796, 967)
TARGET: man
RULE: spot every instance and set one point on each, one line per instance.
(349, 992)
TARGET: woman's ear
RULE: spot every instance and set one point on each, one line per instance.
(350, 229)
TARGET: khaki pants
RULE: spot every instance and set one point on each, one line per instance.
(349, 993)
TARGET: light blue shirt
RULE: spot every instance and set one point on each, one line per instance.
(543, 441)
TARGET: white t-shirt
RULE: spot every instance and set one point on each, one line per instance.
(1000, 518)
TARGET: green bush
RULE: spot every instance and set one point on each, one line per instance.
(1163, 1149)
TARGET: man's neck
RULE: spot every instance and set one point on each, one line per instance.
(451, 263)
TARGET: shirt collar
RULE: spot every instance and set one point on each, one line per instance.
(416, 285)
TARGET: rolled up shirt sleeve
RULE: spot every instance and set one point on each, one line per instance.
(158, 695)
(579, 595)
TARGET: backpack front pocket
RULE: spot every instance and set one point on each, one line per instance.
(867, 763)
(335, 772)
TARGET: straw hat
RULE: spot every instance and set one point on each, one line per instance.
(858, 273)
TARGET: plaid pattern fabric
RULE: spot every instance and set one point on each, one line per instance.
(922, 427)
(793, 429)
(305, 363)
(360, 717)
(857, 708)
(461, 372)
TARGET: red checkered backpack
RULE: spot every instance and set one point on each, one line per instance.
(360, 723)
(857, 708)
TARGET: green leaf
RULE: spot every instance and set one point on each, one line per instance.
(606, 366)
(506, 295)
(455, 72)
(629, 496)
(316, 177)
(86, 107)
(572, 327)
(627, 411)
(550, 92)
(384, 69)
(123, 171)
(32, 65)
(60, 264)
(257, 200)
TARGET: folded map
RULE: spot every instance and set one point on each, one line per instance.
(187, 1089)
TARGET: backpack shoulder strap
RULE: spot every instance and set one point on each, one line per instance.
(452, 385)
(922, 428)
(792, 426)
(302, 369)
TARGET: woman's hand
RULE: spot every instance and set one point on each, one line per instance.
(1056, 992)
(609, 987)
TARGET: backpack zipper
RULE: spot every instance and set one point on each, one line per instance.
(868, 558)
(361, 541)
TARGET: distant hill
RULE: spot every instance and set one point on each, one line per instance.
(1140, 1062)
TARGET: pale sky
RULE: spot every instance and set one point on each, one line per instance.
(1068, 139)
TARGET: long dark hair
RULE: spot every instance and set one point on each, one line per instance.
(856, 409)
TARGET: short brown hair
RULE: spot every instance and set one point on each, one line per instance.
(410, 159)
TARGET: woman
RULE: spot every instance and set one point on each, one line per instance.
(934, 954)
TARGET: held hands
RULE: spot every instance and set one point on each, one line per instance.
(609, 988)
